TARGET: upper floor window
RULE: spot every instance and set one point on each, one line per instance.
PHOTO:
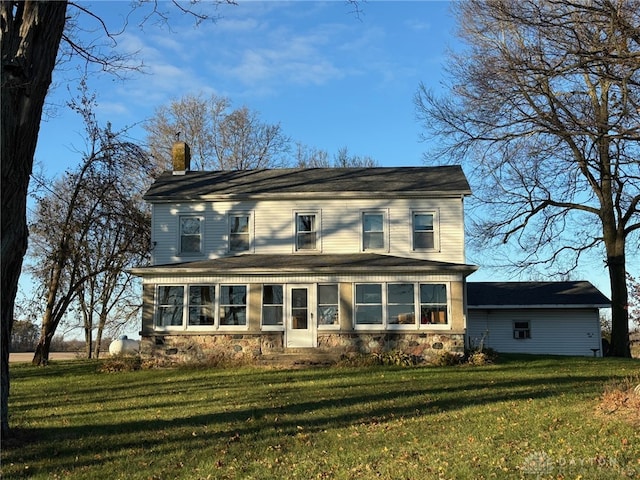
(239, 232)
(423, 231)
(373, 231)
(191, 234)
(307, 231)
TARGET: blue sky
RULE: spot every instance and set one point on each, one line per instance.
(330, 78)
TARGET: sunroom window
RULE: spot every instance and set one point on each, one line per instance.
(170, 306)
(368, 304)
(233, 305)
(201, 305)
(327, 305)
(401, 308)
(272, 305)
(433, 304)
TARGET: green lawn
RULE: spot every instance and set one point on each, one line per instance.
(529, 418)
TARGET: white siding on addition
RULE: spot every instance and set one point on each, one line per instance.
(553, 331)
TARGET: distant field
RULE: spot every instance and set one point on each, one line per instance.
(523, 418)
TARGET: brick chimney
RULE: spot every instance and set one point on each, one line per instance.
(181, 155)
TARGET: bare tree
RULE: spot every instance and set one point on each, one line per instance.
(30, 36)
(220, 138)
(308, 157)
(89, 228)
(545, 110)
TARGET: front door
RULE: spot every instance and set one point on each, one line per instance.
(301, 330)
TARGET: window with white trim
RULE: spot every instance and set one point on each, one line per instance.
(170, 306)
(433, 304)
(328, 305)
(423, 227)
(272, 305)
(239, 232)
(191, 234)
(307, 231)
(368, 307)
(202, 305)
(233, 305)
(401, 308)
(521, 330)
(197, 307)
(373, 231)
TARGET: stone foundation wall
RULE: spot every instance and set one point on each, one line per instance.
(423, 345)
(184, 349)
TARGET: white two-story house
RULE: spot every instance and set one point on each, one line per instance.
(338, 260)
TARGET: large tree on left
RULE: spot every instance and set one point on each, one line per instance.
(30, 35)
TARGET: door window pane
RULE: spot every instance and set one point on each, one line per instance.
(299, 309)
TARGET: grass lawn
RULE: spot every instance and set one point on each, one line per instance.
(529, 418)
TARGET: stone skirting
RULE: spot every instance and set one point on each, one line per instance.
(168, 349)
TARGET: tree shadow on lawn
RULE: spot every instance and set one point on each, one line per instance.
(331, 408)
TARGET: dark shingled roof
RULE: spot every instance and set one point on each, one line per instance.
(338, 263)
(541, 294)
(320, 181)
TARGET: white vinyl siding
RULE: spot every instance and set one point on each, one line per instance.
(339, 227)
(553, 331)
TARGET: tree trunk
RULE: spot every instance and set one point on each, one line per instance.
(620, 346)
(30, 37)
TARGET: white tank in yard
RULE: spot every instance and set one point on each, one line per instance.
(124, 346)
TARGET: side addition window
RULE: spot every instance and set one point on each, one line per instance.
(423, 231)
(239, 232)
(306, 231)
(191, 234)
(521, 330)
(373, 231)
(170, 301)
